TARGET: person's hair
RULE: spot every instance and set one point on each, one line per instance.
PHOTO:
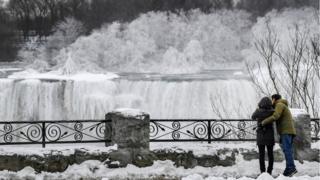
(276, 96)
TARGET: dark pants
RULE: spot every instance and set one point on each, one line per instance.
(286, 142)
(270, 157)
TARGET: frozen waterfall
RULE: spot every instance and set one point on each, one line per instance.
(32, 99)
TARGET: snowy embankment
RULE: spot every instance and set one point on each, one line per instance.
(315, 145)
(66, 149)
(198, 149)
(264, 176)
(93, 169)
(243, 170)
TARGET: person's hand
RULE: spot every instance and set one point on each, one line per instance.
(260, 126)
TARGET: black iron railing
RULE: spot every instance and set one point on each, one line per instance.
(208, 130)
(162, 130)
(55, 132)
(315, 129)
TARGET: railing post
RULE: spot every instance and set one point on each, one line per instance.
(107, 135)
(315, 129)
(43, 134)
(209, 132)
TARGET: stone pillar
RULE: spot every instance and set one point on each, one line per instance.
(131, 133)
(302, 142)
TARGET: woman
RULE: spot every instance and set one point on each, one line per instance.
(265, 134)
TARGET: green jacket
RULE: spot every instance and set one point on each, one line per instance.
(283, 118)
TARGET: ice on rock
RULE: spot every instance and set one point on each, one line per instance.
(115, 163)
(129, 112)
(80, 76)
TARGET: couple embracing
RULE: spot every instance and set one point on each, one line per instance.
(270, 110)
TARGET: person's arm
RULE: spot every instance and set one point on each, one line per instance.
(254, 115)
(275, 116)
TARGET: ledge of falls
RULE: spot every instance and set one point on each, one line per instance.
(209, 94)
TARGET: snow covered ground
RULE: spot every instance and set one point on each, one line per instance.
(243, 170)
(198, 148)
(264, 176)
(315, 145)
(203, 148)
(93, 169)
(66, 149)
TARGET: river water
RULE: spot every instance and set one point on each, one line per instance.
(210, 94)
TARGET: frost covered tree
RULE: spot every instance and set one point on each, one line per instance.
(44, 55)
(289, 60)
(164, 42)
(65, 33)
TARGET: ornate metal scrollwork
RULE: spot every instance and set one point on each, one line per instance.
(242, 125)
(102, 131)
(241, 133)
(176, 125)
(34, 132)
(53, 132)
(43, 132)
(154, 129)
(175, 135)
(7, 128)
(78, 136)
(7, 138)
(200, 130)
(78, 126)
(218, 130)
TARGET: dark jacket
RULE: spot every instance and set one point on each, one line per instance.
(283, 118)
(265, 135)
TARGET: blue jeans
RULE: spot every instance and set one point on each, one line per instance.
(286, 142)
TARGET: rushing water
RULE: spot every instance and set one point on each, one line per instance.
(189, 96)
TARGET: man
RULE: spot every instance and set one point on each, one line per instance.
(286, 130)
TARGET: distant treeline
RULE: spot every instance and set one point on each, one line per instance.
(20, 18)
